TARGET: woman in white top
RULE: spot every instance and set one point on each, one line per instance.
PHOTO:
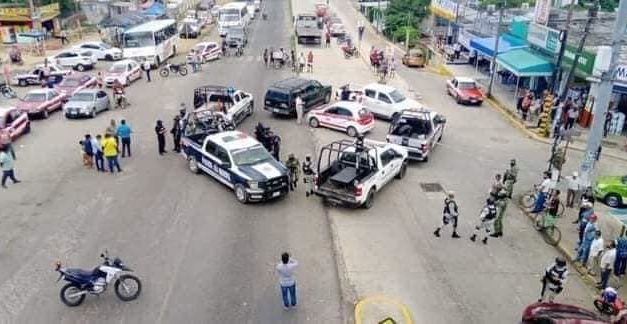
(285, 270)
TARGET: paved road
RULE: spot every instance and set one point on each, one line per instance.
(203, 257)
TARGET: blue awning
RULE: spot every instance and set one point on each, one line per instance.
(156, 10)
(485, 46)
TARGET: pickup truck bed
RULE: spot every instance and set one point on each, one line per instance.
(336, 182)
(308, 34)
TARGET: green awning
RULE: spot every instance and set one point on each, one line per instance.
(524, 63)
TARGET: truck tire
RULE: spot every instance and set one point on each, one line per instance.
(240, 193)
(369, 199)
(193, 165)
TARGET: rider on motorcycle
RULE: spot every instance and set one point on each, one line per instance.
(118, 93)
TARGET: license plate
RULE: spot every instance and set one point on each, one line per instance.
(473, 101)
(73, 113)
(276, 194)
(276, 110)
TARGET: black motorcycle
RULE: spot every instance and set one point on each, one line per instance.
(174, 69)
(266, 137)
(7, 91)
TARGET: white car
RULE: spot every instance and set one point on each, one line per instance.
(208, 50)
(89, 53)
(72, 59)
(346, 116)
(337, 29)
(125, 71)
(386, 102)
(102, 50)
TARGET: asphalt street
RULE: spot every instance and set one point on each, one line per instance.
(202, 256)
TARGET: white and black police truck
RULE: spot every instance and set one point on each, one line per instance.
(238, 161)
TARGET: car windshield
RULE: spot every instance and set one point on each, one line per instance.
(199, 48)
(35, 97)
(229, 18)
(466, 85)
(251, 155)
(105, 45)
(397, 96)
(235, 32)
(70, 83)
(82, 97)
(118, 68)
(140, 39)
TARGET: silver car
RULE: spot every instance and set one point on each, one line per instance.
(87, 102)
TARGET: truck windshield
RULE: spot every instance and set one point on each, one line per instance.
(229, 18)
(251, 155)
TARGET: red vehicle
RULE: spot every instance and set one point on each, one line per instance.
(554, 313)
(465, 91)
(14, 121)
(41, 102)
(74, 83)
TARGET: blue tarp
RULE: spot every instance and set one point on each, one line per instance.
(485, 46)
(156, 10)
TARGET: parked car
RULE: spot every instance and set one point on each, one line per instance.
(418, 131)
(86, 102)
(208, 50)
(74, 83)
(189, 28)
(73, 59)
(414, 58)
(280, 97)
(386, 102)
(41, 102)
(125, 71)
(337, 29)
(102, 50)
(34, 76)
(464, 90)
(15, 121)
(612, 190)
(346, 116)
(236, 35)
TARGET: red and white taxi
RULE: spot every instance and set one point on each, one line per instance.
(125, 71)
(41, 102)
(74, 83)
(209, 51)
(14, 121)
(350, 117)
(465, 91)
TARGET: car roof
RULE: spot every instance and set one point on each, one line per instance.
(92, 91)
(351, 105)
(290, 83)
(40, 90)
(380, 87)
(464, 79)
(5, 110)
(77, 76)
(206, 43)
(233, 140)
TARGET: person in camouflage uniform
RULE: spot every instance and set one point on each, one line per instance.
(510, 176)
(293, 165)
(502, 199)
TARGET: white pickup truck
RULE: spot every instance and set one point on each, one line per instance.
(236, 104)
(386, 102)
(351, 172)
(417, 130)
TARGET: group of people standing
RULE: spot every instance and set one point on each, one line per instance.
(97, 149)
(301, 64)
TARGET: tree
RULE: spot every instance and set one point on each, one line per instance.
(401, 14)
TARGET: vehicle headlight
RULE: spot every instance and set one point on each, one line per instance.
(253, 184)
(283, 105)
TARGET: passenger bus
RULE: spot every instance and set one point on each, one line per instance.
(154, 41)
(232, 14)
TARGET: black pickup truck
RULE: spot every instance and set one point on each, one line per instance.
(281, 96)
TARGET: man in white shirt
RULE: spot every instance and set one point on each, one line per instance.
(594, 258)
(607, 264)
(299, 109)
(573, 189)
(543, 192)
(146, 67)
(285, 270)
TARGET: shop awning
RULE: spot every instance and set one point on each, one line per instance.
(485, 46)
(524, 63)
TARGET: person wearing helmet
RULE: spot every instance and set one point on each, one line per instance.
(554, 279)
(293, 165)
(308, 175)
(449, 215)
(510, 176)
(487, 217)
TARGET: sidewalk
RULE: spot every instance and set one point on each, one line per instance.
(504, 101)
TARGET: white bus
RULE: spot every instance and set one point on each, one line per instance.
(232, 14)
(154, 41)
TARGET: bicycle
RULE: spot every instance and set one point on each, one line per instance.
(546, 224)
(528, 200)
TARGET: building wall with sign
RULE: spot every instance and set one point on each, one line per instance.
(18, 20)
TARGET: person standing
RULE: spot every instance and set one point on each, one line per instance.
(607, 264)
(88, 151)
(573, 189)
(98, 155)
(589, 234)
(327, 37)
(293, 165)
(449, 215)
(176, 132)
(146, 67)
(621, 255)
(308, 175)
(310, 59)
(554, 279)
(112, 130)
(301, 62)
(571, 116)
(502, 199)
(276, 146)
(124, 133)
(64, 39)
(110, 150)
(496, 186)
(285, 269)
(510, 176)
(596, 249)
(299, 109)
(543, 191)
(487, 217)
(160, 131)
(6, 142)
(265, 57)
(6, 162)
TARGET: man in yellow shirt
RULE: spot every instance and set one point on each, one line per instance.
(110, 150)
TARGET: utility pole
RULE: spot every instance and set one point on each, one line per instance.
(602, 101)
(564, 38)
(34, 15)
(496, 50)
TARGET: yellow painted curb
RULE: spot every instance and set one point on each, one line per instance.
(383, 300)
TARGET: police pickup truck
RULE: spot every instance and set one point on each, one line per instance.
(352, 172)
(239, 162)
(235, 104)
(418, 131)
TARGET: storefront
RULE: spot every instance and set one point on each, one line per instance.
(619, 102)
(14, 21)
(483, 49)
(529, 69)
(444, 15)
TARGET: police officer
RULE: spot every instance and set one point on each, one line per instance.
(176, 132)
(308, 175)
(554, 279)
(487, 217)
(510, 176)
(293, 165)
(502, 198)
(449, 214)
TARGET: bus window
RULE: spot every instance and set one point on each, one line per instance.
(141, 39)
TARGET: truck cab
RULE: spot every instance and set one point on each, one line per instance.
(386, 102)
(351, 172)
(418, 131)
(236, 105)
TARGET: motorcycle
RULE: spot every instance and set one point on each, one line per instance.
(95, 282)
(120, 100)
(350, 51)
(173, 68)
(7, 91)
(610, 309)
(265, 136)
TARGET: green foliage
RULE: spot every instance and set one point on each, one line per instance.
(508, 3)
(401, 33)
(402, 14)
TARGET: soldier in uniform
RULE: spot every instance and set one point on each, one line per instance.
(308, 175)
(510, 177)
(293, 165)
(502, 198)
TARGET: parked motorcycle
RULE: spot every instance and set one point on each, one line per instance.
(610, 309)
(350, 51)
(174, 69)
(95, 282)
(265, 136)
(7, 91)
